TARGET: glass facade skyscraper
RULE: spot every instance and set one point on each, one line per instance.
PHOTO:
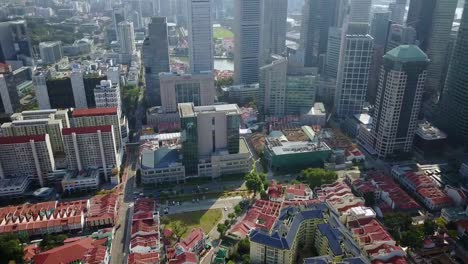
(452, 114)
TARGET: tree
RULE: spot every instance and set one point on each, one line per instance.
(369, 198)
(222, 228)
(263, 195)
(11, 249)
(253, 182)
(138, 177)
(396, 223)
(244, 246)
(179, 228)
(316, 177)
(232, 215)
(429, 227)
(237, 210)
(51, 241)
(165, 220)
(441, 223)
(412, 238)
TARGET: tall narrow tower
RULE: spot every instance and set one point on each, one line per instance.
(200, 33)
(273, 38)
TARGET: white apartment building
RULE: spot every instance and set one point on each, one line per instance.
(14, 187)
(200, 34)
(32, 127)
(26, 156)
(353, 69)
(91, 147)
(43, 114)
(100, 117)
(126, 37)
(184, 88)
(51, 51)
(107, 95)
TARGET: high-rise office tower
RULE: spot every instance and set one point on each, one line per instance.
(353, 69)
(119, 14)
(359, 11)
(15, 44)
(333, 52)
(273, 86)
(127, 37)
(155, 58)
(247, 26)
(197, 88)
(398, 10)
(200, 35)
(380, 28)
(433, 21)
(78, 87)
(452, 114)
(273, 33)
(398, 101)
(318, 16)
(208, 131)
(10, 81)
(51, 51)
(400, 35)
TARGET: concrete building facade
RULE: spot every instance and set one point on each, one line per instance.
(200, 35)
(273, 86)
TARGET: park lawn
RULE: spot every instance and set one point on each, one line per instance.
(222, 33)
(204, 219)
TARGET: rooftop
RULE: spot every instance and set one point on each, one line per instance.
(407, 53)
(429, 132)
(86, 130)
(21, 139)
(286, 148)
(163, 157)
(84, 174)
(94, 112)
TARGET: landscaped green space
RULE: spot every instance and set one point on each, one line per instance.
(204, 219)
(222, 33)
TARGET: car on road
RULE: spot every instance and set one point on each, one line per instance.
(225, 208)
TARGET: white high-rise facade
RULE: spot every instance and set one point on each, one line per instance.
(200, 34)
(247, 28)
(126, 37)
(107, 95)
(273, 34)
(353, 69)
(273, 87)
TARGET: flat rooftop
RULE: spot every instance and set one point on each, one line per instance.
(189, 110)
(429, 132)
(286, 148)
(13, 182)
(79, 175)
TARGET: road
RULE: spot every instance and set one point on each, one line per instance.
(120, 244)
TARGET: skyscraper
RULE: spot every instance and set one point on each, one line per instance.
(119, 15)
(359, 11)
(353, 69)
(155, 58)
(318, 16)
(127, 37)
(273, 86)
(209, 134)
(15, 43)
(399, 95)
(398, 10)
(200, 34)
(273, 38)
(452, 115)
(247, 21)
(433, 21)
(400, 35)
(333, 52)
(51, 51)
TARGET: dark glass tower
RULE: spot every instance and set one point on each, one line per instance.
(155, 58)
(452, 114)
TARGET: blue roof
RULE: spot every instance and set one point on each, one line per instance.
(318, 260)
(159, 158)
(355, 260)
(285, 242)
(334, 237)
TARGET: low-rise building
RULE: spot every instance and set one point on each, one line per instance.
(429, 140)
(103, 210)
(316, 116)
(81, 181)
(194, 242)
(298, 192)
(11, 188)
(159, 165)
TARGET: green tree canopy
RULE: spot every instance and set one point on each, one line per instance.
(11, 249)
(178, 228)
(317, 176)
